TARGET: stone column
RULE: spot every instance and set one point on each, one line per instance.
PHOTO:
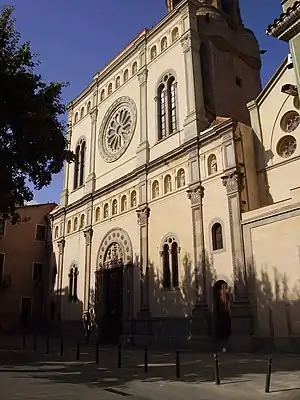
(61, 249)
(143, 218)
(90, 182)
(143, 148)
(232, 182)
(196, 116)
(64, 197)
(88, 234)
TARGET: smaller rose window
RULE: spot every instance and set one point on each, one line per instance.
(290, 121)
(286, 146)
(119, 130)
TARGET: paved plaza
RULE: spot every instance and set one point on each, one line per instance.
(29, 374)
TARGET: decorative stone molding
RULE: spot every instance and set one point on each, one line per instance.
(61, 245)
(93, 115)
(186, 42)
(232, 182)
(143, 76)
(117, 129)
(88, 234)
(196, 195)
(143, 215)
(121, 238)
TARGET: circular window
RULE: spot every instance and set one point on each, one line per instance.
(117, 129)
(290, 121)
(286, 146)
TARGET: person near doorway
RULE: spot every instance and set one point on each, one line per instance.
(86, 322)
(222, 315)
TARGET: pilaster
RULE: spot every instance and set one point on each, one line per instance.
(91, 179)
(64, 197)
(195, 120)
(143, 148)
(88, 235)
(61, 249)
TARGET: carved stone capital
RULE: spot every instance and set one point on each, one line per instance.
(232, 182)
(186, 42)
(61, 245)
(143, 215)
(88, 234)
(196, 195)
(143, 76)
(93, 115)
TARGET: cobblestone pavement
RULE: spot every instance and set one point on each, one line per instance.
(29, 374)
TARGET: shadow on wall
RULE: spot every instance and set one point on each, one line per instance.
(72, 310)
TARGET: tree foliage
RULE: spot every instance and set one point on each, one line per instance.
(33, 145)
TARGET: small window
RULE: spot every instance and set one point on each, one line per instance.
(126, 75)
(69, 226)
(118, 82)
(88, 107)
(56, 232)
(106, 210)
(133, 199)
(134, 68)
(114, 207)
(167, 184)
(2, 257)
(180, 178)
(75, 225)
(2, 226)
(163, 44)
(102, 95)
(110, 89)
(124, 203)
(212, 164)
(76, 118)
(82, 221)
(37, 271)
(73, 278)
(82, 112)
(217, 237)
(155, 189)
(175, 34)
(40, 233)
(153, 52)
(97, 217)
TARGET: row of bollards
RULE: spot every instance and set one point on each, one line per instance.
(146, 363)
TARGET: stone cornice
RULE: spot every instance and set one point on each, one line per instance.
(287, 24)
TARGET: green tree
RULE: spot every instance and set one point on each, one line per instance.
(33, 145)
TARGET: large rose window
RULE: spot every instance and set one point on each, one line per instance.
(117, 129)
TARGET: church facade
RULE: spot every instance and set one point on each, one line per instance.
(155, 209)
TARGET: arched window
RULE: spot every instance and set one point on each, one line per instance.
(82, 221)
(56, 232)
(217, 236)
(155, 189)
(75, 225)
(102, 95)
(180, 178)
(110, 89)
(114, 207)
(73, 283)
(175, 34)
(106, 210)
(76, 118)
(118, 82)
(125, 75)
(170, 251)
(134, 68)
(89, 104)
(69, 226)
(124, 203)
(79, 165)
(153, 52)
(167, 184)
(167, 106)
(97, 214)
(82, 112)
(212, 165)
(133, 199)
(163, 44)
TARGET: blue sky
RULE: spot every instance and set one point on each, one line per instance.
(74, 39)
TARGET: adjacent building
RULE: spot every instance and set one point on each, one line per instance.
(25, 283)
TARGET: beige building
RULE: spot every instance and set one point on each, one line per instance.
(24, 269)
(150, 214)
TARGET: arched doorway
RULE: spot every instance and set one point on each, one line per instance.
(221, 311)
(113, 284)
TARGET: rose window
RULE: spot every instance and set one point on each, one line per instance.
(286, 146)
(290, 121)
(117, 129)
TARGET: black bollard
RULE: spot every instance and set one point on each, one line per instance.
(177, 365)
(146, 361)
(47, 345)
(34, 342)
(268, 376)
(119, 356)
(78, 352)
(61, 347)
(216, 369)
(97, 354)
(24, 340)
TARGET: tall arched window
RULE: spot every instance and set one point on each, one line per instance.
(167, 184)
(82, 221)
(170, 251)
(217, 236)
(75, 224)
(153, 52)
(118, 82)
(89, 104)
(97, 214)
(124, 203)
(155, 189)
(76, 118)
(79, 165)
(175, 34)
(56, 232)
(163, 44)
(134, 68)
(106, 210)
(82, 112)
(114, 207)
(125, 75)
(212, 165)
(69, 226)
(102, 95)
(180, 178)
(133, 199)
(167, 106)
(110, 89)
(73, 283)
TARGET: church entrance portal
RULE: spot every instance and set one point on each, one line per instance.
(221, 311)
